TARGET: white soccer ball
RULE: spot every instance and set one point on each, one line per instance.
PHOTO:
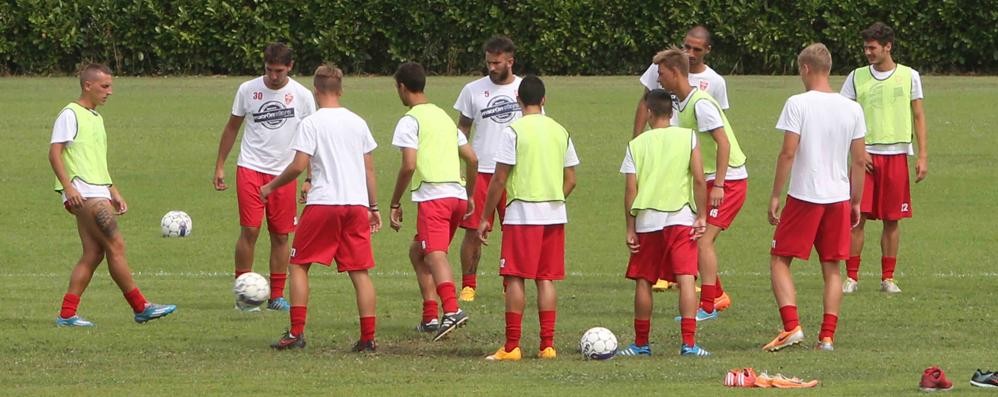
(176, 224)
(598, 344)
(251, 290)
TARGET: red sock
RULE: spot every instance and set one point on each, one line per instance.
(547, 319)
(788, 314)
(641, 330)
(887, 265)
(469, 280)
(852, 267)
(828, 325)
(241, 272)
(277, 281)
(69, 304)
(298, 315)
(448, 298)
(367, 328)
(717, 285)
(513, 324)
(708, 293)
(430, 311)
(136, 300)
(688, 327)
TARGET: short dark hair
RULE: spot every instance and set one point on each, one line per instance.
(531, 91)
(701, 32)
(880, 32)
(659, 101)
(412, 75)
(278, 53)
(91, 70)
(328, 79)
(500, 44)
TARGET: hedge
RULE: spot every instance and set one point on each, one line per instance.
(588, 37)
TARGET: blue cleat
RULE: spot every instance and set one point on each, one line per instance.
(279, 304)
(702, 316)
(694, 351)
(635, 350)
(154, 311)
(75, 321)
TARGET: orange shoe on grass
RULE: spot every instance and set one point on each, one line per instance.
(785, 339)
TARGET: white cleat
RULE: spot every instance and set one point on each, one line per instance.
(889, 286)
(850, 285)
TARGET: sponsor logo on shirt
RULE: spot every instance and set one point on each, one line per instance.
(704, 84)
(501, 109)
(273, 114)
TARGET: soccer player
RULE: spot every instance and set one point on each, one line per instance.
(664, 188)
(823, 155)
(723, 165)
(341, 210)
(432, 148)
(276, 104)
(697, 45)
(78, 155)
(891, 97)
(487, 105)
(535, 166)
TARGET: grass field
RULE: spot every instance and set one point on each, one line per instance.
(164, 136)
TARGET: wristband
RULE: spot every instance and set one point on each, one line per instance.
(396, 206)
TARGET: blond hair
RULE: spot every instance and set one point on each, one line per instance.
(328, 78)
(817, 57)
(673, 58)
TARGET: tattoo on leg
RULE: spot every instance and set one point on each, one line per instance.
(105, 221)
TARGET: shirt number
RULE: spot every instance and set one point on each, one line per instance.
(257, 96)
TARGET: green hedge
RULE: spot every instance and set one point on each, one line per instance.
(143, 37)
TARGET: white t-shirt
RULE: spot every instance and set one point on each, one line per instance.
(337, 139)
(64, 131)
(708, 119)
(491, 108)
(407, 136)
(524, 213)
(708, 80)
(271, 118)
(649, 220)
(849, 91)
(827, 124)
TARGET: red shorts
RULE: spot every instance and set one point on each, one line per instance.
(436, 222)
(664, 254)
(734, 198)
(534, 252)
(339, 232)
(280, 207)
(887, 190)
(826, 227)
(482, 190)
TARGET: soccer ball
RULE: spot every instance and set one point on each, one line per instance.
(176, 224)
(598, 344)
(251, 290)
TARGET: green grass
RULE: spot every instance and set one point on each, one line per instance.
(164, 135)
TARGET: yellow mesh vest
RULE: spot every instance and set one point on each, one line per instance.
(662, 168)
(437, 158)
(708, 148)
(86, 156)
(539, 173)
(886, 105)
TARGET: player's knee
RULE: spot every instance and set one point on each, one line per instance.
(278, 239)
(249, 234)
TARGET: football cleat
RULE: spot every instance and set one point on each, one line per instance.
(635, 350)
(289, 341)
(662, 285)
(889, 286)
(279, 304)
(740, 377)
(365, 346)
(785, 339)
(450, 323)
(503, 355)
(693, 351)
(154, 311)
(75, 321)
(467, 294)
(933, 379)
(430, 326)
(850, 285)
(702, 315)
(722, 302)
(984, 379)
(825, 344)
(547, 354)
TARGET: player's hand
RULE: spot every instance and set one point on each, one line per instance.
(395, 219)
(855, 215)
(219, 180)
(716, 196)
(73, 196)
(118, 202)
(303, 195)
(471, 209)
(921, 169)
(265, 192)
(868, 160)
(699, 228)
(483, 232)
(374, 220)
(774, 211)
(632, 241)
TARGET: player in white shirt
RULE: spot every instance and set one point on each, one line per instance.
(272, 106)
(486, 105)
(341, 210)
(823, 155)
(432, 151)
(697, 45)
(894, 115)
